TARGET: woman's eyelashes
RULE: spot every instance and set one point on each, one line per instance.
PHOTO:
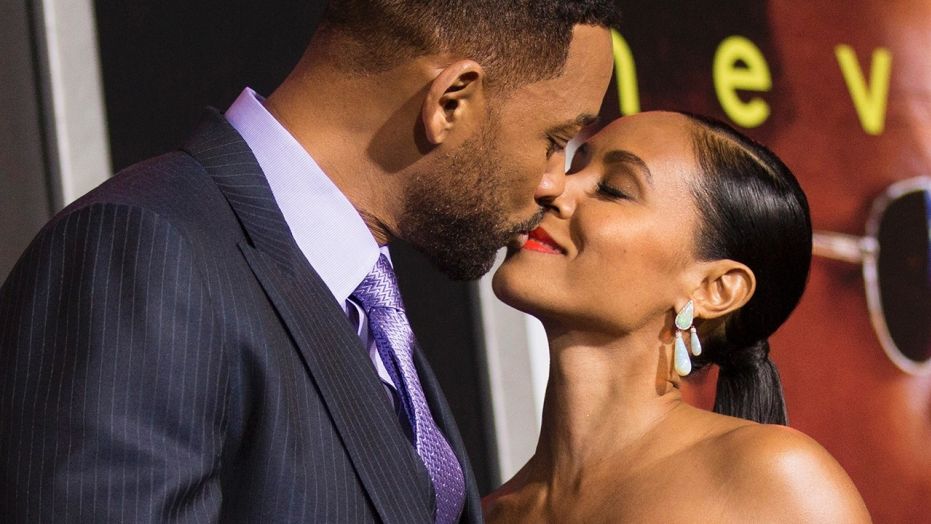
(610, 192)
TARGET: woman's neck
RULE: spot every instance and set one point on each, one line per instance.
(605, 396)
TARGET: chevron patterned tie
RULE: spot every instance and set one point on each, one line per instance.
(381, 300)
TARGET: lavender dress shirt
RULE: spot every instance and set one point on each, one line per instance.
(327, 228)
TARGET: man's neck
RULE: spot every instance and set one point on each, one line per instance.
(354, 128)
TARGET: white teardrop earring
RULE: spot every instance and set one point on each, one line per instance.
(681, 361)
(695, 343)
(680, 358)
(685, 316)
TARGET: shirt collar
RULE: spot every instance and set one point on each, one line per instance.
(327, 228)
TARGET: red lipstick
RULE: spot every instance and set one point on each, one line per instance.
(539, 240)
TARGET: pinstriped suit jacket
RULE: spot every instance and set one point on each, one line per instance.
(167, 354)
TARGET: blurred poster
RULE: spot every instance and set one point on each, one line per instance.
(842, 92)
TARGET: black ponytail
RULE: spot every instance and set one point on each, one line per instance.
(749, 386)
(753, 212)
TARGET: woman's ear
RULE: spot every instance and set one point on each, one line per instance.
(455, 99)
(727, 286)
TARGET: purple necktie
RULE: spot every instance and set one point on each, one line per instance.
(381, 300)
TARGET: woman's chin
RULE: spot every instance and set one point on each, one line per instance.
(512, 287)
(502, 285)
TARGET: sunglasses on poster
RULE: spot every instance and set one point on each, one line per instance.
(895, 256)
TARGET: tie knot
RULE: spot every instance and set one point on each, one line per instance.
(379, 288)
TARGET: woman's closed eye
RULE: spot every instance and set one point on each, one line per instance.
(610, 192)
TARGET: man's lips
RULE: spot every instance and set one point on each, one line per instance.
(539, 240)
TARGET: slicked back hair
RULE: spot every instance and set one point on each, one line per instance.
(755, 212)
(516, 41)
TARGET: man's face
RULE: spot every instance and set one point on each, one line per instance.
(491, 188)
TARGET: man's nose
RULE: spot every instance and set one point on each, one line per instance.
(553, 182)
(564, 204)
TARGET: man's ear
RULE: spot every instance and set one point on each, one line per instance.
(456, 97)
(726, 287)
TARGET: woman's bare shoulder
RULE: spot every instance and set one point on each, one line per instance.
(509, 501)
(775, 471)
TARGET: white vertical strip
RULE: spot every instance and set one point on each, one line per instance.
(77, 96)
(517, 371)
(539, 354)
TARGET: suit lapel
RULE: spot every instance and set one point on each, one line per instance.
(332, 353)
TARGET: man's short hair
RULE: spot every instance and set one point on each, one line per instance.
(515, 41)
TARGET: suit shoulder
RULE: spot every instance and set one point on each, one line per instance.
(173, 187)
(156, 183)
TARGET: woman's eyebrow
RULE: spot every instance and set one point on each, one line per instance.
(619, 156)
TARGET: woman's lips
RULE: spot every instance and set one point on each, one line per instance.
(539, 240)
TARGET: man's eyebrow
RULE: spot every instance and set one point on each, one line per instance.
(572, 127)
(619, 156)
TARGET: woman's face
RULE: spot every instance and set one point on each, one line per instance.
(614, 253)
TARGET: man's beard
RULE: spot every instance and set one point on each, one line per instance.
(457, 215)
